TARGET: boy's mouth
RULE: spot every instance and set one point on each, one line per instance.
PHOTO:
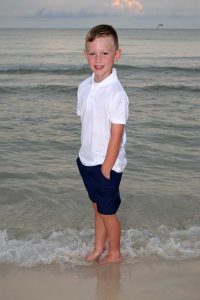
(99, 67)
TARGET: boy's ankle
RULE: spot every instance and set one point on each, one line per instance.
(98, 249)
(114, 254)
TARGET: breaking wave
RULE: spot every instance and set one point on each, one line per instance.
(71, 246)
(84, 69)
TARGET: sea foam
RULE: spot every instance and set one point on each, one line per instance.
(71, 246)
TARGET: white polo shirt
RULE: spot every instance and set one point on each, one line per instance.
(99, 105)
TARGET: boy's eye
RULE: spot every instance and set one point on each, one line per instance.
(91, 53)
(105, 53)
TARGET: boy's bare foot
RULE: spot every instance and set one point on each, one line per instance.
(94, 255)
(111, 259)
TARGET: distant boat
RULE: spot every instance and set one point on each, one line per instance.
(159, 26)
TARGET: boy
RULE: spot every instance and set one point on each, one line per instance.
(103, 108)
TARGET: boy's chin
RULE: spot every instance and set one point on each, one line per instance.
(102, 72)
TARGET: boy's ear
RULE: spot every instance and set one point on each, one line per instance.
(85, 53)
(118, 54)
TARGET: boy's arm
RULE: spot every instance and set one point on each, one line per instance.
(113, 149)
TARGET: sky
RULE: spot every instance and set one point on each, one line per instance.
(87, 13)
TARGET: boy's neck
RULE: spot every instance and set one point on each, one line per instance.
(97, 80)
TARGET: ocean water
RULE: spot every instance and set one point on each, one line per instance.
(45, 215)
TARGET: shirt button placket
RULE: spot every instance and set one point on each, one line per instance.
(93, 91)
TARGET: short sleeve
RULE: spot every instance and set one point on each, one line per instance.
(119, 109)
(78, 109)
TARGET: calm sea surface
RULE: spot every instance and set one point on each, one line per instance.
(45, 215)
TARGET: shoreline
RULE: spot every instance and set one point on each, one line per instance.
(151, 279)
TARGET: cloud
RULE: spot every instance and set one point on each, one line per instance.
(59, 14)
(85, 13)
(134, 5)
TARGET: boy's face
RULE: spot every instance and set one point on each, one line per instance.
(101, 55)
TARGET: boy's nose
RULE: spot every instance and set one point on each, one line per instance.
(98, 57)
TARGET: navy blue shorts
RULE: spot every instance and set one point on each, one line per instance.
(102, 191)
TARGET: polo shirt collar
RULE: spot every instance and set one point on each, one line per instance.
(107, 81)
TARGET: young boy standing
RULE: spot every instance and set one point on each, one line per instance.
(103, 108)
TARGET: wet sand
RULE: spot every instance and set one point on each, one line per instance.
(140, 281)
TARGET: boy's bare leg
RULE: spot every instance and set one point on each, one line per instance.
(100, 236)
(113, 229)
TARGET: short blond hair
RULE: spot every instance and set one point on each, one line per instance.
(101, 31)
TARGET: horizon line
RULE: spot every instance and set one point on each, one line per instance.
(88, 27)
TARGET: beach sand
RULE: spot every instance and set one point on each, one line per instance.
(150, 280)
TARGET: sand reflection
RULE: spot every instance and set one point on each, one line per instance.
(108, 281)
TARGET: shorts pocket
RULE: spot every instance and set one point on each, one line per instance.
(105, 178)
